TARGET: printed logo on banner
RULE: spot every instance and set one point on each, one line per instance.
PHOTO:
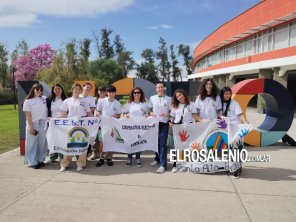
(77, 137)
(216, 140)
(116, 136)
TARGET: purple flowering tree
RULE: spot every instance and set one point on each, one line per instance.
(37, 58)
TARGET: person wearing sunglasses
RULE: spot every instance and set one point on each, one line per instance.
(135, 107)
(36, 115)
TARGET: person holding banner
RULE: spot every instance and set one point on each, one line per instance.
(208, 103)
(232, 110)
(54, 103)
(183, 111)
(75, 107)
(135, 107)
(109, 107)
(36, 114)
(96, 150)
(160, 106)
(85, 94)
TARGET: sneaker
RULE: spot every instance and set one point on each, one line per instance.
(36, 166)
(154, 163)
(79, 168)
(138, 162)
(63, 169)
(41, 164)
(174, 170)
(109, 162)
(100, 162)
(160, 170)
(235, 176)
(128, 163)
(93, 156)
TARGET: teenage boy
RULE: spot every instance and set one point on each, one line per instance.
(109, 107)
(96, 150)
(85, 94)
(160, 106)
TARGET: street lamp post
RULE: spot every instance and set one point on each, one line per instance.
(13, 69)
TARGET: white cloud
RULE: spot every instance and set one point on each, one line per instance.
(18, 13)
(164, 26)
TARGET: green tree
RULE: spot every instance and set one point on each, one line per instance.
(184, 50)
(84, 55)
(147, 69)
(176, 72)
(164, 64)
(71, 55)
(57, 73)
(3, 66)
(106, 69)
(118, 46)
(21, 49)
(106, 49)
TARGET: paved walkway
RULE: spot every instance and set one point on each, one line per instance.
(266, 192)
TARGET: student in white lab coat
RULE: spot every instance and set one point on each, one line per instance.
(75, 107)
(54, 103)
(183, 111)
(135, 107)
(208, 102)
(232, 110)
(108, 107)
(36, 114)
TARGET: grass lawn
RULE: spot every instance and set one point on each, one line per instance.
(9, 128)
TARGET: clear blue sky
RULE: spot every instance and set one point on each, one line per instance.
(140, 23)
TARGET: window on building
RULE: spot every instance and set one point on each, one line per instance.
(293, 34)
(281, 37)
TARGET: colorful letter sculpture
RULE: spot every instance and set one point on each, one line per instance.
(279, 109)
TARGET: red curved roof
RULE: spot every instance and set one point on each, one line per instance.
(266, 14)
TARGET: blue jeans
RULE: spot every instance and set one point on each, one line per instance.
(138, 155)
(161, 156)
(36, 146)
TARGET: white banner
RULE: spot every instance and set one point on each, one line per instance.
(216, 135)
(130, 135)
(71, 136)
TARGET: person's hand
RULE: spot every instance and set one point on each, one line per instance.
(205, 120)
(32, 131)
(164, 114)
(97, 114)
(152, 114)
(224, 118)
(171, 124)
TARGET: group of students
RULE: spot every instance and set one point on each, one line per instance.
(208, 106)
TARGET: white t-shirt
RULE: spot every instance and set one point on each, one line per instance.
(91, 100)
(55, 108)
(136, 109)
(183, 110)
(37, 107)
(108, 108)
(160, 104)
(75, 107)
(208, 107)
(234, 111)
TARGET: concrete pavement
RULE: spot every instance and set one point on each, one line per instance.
(265, 192)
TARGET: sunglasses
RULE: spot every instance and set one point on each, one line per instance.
(38, 89)
(137, 92)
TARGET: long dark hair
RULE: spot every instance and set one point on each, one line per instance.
(53, 96)
(131, 97)
(176, 102)
(227, 102)
(31, 93)
(203, 92)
